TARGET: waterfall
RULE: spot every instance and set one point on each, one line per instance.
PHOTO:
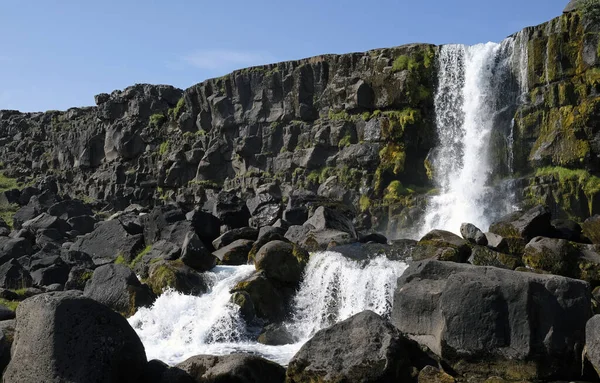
(478, 89)
(334, 288)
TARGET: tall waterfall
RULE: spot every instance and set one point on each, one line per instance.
(334, 288)
(478, 89)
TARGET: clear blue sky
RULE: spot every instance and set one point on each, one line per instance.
(58, 54)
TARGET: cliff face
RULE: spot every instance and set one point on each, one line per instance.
(344, 126)
(557, 130)
(356, 128)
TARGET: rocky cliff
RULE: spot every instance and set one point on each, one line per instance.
(357, 128)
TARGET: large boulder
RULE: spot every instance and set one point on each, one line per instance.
(63, 337)
(526, 225)
(122, 244)
(14, 276)
(282, 261)
(195, 254)
(230, 236)
(488, 321)
(484, 256)
(442, 245)
(69, 209)
(46, 221)
(233, 368)
(207, 226)
(269, 300)
(117, 287)
(11, 248)
(326, 218)
(363, 348)
(230, 209)
(592, 342)
(591, 229)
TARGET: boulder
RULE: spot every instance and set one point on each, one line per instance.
(122, 244)
(326, 218)
(160, 217)
(230, 210)
(273, 234)
(117, 287)
(487, 321)
(561, 257)
(26, 213)
(511, 245)
(207, 226)
(275, 335)
(161, 250)
(526, 225)
(227, 238)
(568, 229)
(84, 224)
(244, 301)
(78, 277)
(47, 221)
(55, 273)
(63, 337)
(195, 254)
(363, 348)
(592, 342)
(591, 229)
(11, 248)
(268, 300)
(472, 234)
(175, 275)
(484, 256)
(236, 253)
(238, 368)
(14, 276)
(442, 245)
(282, 261)
(69, 209)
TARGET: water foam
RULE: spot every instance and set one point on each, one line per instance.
(334, 288)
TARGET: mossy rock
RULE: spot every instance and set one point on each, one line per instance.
(442, 245)
(175, 275)
(282, 261)
(244, 301)
(591, 229)
(266, 297)
(484, 256)
(430, 374)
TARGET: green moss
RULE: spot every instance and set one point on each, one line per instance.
(345, 141)
(7, 183)
(340, 116)
(12, 305)
(175, 112)
(85, 276)
(162, 277)
(395, 192)
(164, 148)
(156, 120)
(405, 62)
(364, 203)
(392, 158)
(120, 260)
(397, 121)
(140, 255)
(7, 213)
(583, 180)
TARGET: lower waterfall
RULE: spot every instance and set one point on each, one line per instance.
(334, 288)
(479, 88)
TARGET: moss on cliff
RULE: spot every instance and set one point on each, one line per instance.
(570, 182)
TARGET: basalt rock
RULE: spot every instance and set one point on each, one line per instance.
(495, 322)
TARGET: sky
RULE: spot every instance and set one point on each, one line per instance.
(59, 54)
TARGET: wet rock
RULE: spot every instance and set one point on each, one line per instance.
(76, 339)
(242, 368)
(363, 348)
(282, 261)
(275, 335)
(244, 301)
(175, 275)
(117, 287)
(267, 299)
(472, 234)
(494, 321)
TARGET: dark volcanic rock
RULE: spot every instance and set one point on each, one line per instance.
(326, 218)
(472, 234)
(442, 245)
(11, 248)
(14, 276)
(487, 321)
(95, 244)
(195, 254)
(227, 238)
(591, 229)
(117, 287)
(268, 299)
(234, 368)
(363, 348)
(527, 225)
(282, 261)
(236, 253)
(175, 275)
(69, 209)
(231, 210)
(207, 226)
(275, 335)
(75, 340)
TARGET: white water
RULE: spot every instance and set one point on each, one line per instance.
(471, 96)
(179, 326)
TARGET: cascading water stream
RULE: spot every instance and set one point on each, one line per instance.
(476, 92)
(334, 288)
